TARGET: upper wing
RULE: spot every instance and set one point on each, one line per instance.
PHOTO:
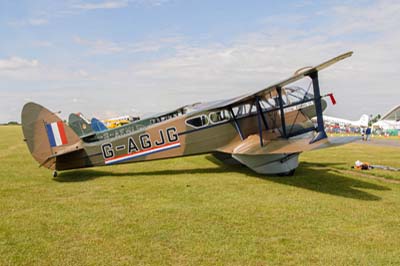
(297, 76)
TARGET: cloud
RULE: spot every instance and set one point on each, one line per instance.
(16, 63)
(29, 22)
(83, 73)
(116, 4)
(72, 8)
(37, 21)
(20, 70)
(152, 2)
(363, 83)
(111, 47)
(99, 46)
(193, 71)
(382, 16)
(101, 5)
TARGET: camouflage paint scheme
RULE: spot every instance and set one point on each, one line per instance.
(153, 139)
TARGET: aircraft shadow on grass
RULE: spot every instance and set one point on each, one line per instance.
(312, 176)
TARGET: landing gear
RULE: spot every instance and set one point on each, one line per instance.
(270, 164)
(54, 174)
(290, 173)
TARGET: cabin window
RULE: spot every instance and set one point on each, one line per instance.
(274, 101)
(244, 109)
(265, 105)
(219, 116)
(197, 121)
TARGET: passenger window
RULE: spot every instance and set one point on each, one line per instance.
(244, 109)
(241, 110)
(197, 121)
(219, 116)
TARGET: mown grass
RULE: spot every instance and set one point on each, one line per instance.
(194, 211)
(343, 157)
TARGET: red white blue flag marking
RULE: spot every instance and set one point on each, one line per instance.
(130, 156)
(56, 134)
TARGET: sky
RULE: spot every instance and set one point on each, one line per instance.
(108, 58)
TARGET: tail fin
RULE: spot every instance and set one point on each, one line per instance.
(80, 125)
(364, 120)
(97, 125)
(46, 135)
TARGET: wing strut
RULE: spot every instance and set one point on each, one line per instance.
(259, 109)
(239, 130)
(259, 124)
(283, 122)
(318, 109)
(260, 116)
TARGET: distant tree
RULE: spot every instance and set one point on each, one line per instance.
(374, 119)
(13, 123)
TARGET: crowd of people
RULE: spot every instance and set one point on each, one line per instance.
(366, 133)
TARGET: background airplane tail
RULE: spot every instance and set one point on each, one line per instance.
(46, 135)
(97, 125)
(364, 120)
(80, 125)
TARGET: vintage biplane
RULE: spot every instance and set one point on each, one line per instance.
(265, 131)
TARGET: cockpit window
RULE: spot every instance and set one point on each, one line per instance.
(219, 116)
(197, 121)
(296, 94)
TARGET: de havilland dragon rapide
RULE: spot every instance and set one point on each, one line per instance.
(265, 130)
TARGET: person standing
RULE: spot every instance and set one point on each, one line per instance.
(367, 133)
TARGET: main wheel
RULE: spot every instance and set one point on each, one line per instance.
(290, 173)
(54, 174)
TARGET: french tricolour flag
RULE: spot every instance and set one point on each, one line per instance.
(56, 134)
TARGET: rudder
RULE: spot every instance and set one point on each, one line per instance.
(46, 134)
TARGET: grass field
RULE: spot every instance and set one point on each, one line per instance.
(194, 211)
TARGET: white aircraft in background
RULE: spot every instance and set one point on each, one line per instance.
(391, 120)
(362, 122)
